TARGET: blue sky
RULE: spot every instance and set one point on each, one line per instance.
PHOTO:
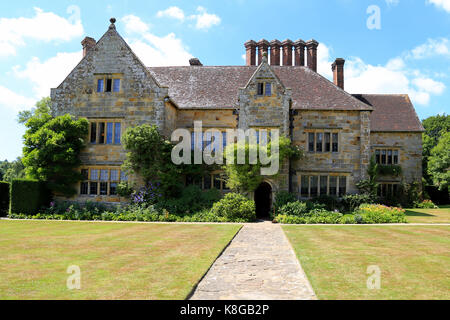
(391, 46)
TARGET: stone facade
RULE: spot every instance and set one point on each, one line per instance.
(262, 101)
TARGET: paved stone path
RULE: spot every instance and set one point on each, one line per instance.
(259, 264)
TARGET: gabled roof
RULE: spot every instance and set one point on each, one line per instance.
(218, 87)
(392, 113)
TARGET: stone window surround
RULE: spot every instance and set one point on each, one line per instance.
(213, 175)
(322, 174)
(114, 121)
(121, 176)
(331, 131)
(387, 149)
(105, 77)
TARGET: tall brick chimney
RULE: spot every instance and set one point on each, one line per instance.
(88, 44)
(338, 72)
(263, 47)
(250, 49)
(287, 52)
(275, 53)
(311, 47)
(299, 52)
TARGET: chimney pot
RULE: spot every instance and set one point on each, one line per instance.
(311, 46)
(275, 53)
(250, 49)
(263, 47)
(299, 52)
(338, 72)
(88, 45)
(287, 52)
(195, 62)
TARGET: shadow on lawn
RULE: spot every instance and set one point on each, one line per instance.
(411, 213)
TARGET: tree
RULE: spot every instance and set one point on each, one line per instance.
(435, 127)
(370, 185)
(12, 170)
(41, 108)
(439, 163)
(52, 149)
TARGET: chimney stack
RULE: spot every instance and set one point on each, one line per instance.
(263, 47)
(338, 72)
(275, 53)
(311, 46)
(250, 49)
(88, 44)
(287, 52)
(195, 62)
(299, 52)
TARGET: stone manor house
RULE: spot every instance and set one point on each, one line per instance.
(279, 87)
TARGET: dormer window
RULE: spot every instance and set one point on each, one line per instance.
(264, 89)
(108, 84)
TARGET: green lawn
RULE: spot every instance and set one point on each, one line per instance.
(441, 215)
(414, 260)
(117, 260)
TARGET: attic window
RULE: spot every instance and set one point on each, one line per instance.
(108, 84)
(264, 89)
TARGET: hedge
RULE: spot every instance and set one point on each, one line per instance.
(4, 198)
(29, 196)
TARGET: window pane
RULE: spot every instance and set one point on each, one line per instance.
(100, 85)
(84, 187)
(389, 159)
(224, 186)
(395, 156)
(113, 189)
(342, 186)
(189, 180)
(389, 190)
(208, 140)
(207, 182)
(85, 174)
(305, 186)
(323, 185)
(224, 137)
(116, 85)
(217, 182)
(123, 176)
(94, 174)
(314, 185)
(192, 140)
(333, 186)
(263, 137)
(103, 188)
(198, 181)
(117, 132)
(378, 156)
(104, 175)
(268, 89)
(114, 175)
(319, 142)
(108, 85)
(260, 89)
(94, 132)
(102, 132)
(109, 133)
(335, 142)
(395, 189)
(311, 137)
(93, 188)
(383, 156)
(327, 142)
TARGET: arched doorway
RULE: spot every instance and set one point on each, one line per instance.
(263, 200)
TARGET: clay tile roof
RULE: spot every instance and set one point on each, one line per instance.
(218, 87)
(392, 113)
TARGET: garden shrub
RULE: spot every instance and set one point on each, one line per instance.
(329, 202)
(378, 213)
(317, 216)
(351, 202)
(426, 204)
(282, 198)
(296, 208)
(29, 196)
(235, 207)
(4, 198)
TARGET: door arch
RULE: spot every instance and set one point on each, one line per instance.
(263, 200)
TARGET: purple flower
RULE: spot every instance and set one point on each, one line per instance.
(52, 204)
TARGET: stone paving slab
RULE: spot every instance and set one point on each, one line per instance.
(259, 264)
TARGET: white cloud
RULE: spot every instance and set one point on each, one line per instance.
(393, 78)
(134, 24)
(433, 47)
(48, 74)
(14, 101)
(443, 4)
(44, 26)
(172, 12)
(157, 51)
(392, 2)
(205, 20)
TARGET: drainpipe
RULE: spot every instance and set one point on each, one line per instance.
(292, 113)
